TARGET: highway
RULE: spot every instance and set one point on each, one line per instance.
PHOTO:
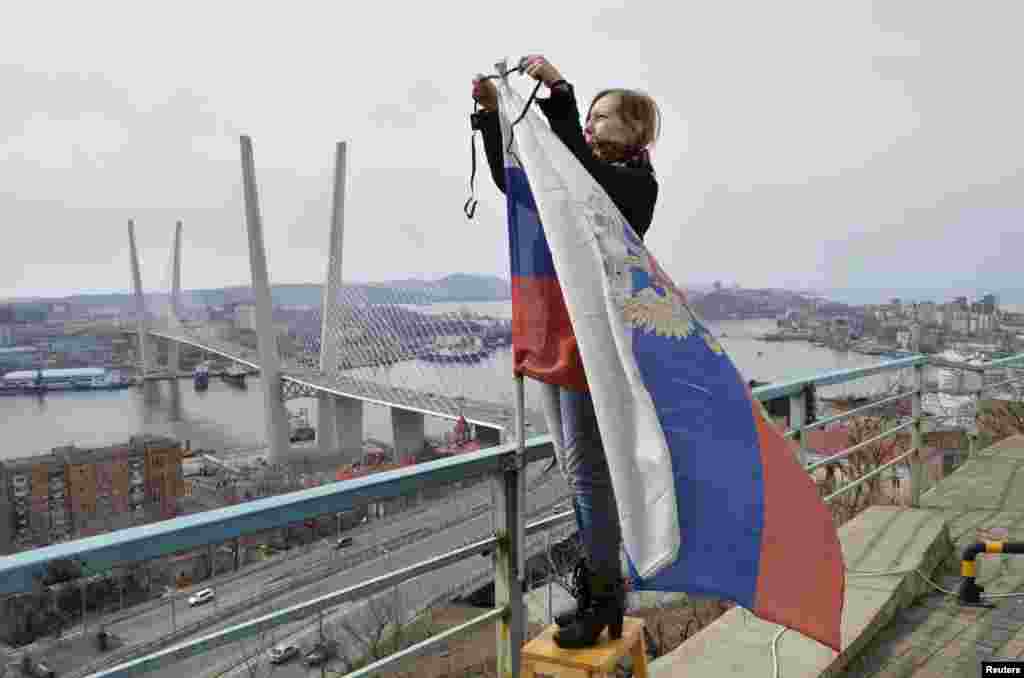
(413, 596)
(407, 538)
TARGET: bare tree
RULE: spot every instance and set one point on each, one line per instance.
(373, 630)
(1001, 419)
(860, 463)
(251, 653)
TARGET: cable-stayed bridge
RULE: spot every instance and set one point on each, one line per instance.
(393, 351)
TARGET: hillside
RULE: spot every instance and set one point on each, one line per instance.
(452, 288)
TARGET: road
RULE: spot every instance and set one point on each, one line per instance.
(419, 522)
(413, 595)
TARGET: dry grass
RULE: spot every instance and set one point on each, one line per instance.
(473, 655)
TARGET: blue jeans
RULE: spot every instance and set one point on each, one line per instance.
(581, 457)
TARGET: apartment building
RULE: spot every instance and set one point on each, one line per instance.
(78, 492)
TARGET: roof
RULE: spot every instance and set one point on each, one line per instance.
(80, 455)
(827, 442)
(24, 464)
(56, 374)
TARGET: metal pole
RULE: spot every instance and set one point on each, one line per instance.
(551, 574)
(270, 370)
(797, 420)
(509, 563)
(508, 575)
(916, 438)
(521, 468)
(83, 606)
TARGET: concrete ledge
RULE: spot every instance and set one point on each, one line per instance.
(880, 538)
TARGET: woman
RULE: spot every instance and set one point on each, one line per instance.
(613, 146)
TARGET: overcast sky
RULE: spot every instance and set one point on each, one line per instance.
(824, 144)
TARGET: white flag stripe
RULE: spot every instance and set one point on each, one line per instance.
(583, 229)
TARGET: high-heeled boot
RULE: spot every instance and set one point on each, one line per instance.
(606, 609)
(580, 589)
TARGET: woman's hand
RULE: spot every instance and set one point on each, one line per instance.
(485, 93)
(538, 68)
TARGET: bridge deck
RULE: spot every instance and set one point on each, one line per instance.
(478, 412)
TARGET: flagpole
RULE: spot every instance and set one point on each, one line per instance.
(521, 463)
(508, 588)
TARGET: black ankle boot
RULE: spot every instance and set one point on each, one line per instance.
(607, 608)
(580, 590)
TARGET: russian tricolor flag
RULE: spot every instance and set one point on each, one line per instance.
(711, 497)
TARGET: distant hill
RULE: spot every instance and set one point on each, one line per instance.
(452, 288)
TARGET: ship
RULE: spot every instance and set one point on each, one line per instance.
(201, 376)
(455, 350)
(235, 374)
(72, 379)
(458, 441)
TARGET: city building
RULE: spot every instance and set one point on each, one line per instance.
(59, 311)
(104, 313)
(245, 317)
(77, 492)
(927, 312)
(19, 358)
(30, 312)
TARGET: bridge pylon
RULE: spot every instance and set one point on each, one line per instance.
(173, 347)
(338, 424)
(276, 416)
(145, 352)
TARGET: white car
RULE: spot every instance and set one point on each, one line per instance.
(282, 653)
(200, 597)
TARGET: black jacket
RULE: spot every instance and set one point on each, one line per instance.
(631, 186)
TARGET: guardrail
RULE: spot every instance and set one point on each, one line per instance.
(796, 389)
(315, 571)
(329, 564)
(472, 584)
(506, 466)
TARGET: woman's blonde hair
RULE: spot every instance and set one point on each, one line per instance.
(638, 109)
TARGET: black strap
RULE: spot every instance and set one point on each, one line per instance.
(469, 208)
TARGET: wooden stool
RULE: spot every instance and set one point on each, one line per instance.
(541, 655)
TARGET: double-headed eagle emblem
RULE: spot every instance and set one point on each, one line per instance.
(660, 307)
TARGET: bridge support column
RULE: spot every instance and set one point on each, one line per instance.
(173, 358)
(407, 428)
(488, 437)
(326, 424)
(348, 422)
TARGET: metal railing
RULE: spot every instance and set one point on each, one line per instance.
(796, 390)
(504, 464)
